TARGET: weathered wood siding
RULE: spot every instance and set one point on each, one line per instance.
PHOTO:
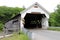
(12, 25)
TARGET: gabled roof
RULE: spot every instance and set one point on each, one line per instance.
(38, 5)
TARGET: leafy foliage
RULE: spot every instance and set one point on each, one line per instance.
(55, 17)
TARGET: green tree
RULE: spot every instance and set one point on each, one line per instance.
(55, 17)
(52, 19)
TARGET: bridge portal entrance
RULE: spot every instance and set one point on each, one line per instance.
(33, 20)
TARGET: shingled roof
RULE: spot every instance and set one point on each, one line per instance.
(18, 15)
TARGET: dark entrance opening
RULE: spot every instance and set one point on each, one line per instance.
(33, 21)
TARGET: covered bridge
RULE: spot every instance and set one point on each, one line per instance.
(33, 17)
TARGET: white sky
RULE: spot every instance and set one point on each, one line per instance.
(49, 5)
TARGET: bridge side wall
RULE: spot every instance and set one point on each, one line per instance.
(45, 24)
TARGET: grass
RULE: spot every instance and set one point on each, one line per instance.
(16, 37)
(54, 28)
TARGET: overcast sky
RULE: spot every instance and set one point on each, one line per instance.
(49, 5)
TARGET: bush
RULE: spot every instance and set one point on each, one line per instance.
(1, 26)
